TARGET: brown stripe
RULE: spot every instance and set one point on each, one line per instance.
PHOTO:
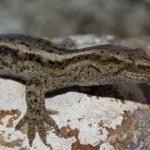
(4, 50)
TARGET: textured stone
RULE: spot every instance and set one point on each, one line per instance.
(85, 122)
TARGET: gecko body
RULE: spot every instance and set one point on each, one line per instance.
(45, 67)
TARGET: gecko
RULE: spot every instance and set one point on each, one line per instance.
(132, 91)
(44, 66)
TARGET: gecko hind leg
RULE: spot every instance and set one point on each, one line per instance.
(37, 115)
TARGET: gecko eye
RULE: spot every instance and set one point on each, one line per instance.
(128, 60)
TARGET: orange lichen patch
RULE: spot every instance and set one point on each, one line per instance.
(12, 144)
(13, 112)
(101, 124)
(134, 128)
(67, 132)
(122, 133)
(77, 145)
(22, 148)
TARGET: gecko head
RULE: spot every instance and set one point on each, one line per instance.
(118, 63)
(138, 66)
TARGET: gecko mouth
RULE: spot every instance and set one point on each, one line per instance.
(141, 77)
(138, 72)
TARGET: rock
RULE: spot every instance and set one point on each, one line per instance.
(85, 122)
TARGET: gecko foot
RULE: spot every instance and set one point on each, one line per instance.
(36, 122)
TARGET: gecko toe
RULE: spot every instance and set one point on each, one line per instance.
(31, 130)
(42, 130)
(51, 122)
(22, 122)
(36, 122)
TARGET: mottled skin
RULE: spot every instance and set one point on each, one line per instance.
(45, 67)
(138, 92)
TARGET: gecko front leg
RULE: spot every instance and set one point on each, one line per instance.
(36, 114)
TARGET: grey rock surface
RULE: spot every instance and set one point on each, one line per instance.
(55, 18)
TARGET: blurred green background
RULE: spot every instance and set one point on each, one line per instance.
(61, 18)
